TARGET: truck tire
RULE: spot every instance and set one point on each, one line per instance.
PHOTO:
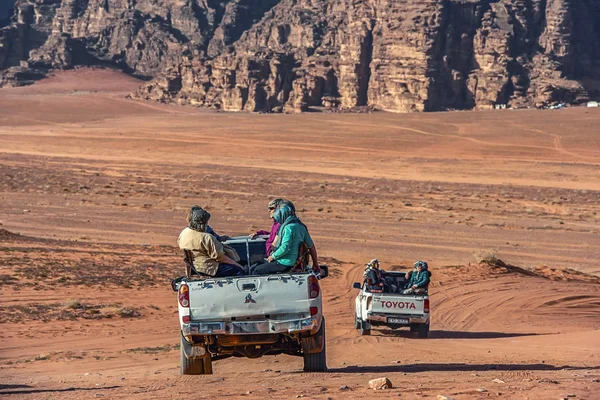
(363, 328)
(423, 330)
(317, 362)
(199, 365)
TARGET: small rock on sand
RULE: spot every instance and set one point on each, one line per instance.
(380, 383)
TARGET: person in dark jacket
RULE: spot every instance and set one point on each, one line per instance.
(220, 238)
(374, 276)
(419, 279)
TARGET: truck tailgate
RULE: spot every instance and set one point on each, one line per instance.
(396, 304)
(251, 296)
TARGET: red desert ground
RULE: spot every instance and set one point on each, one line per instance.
(95, 188)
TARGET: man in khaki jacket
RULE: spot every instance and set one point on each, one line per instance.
(208, 254)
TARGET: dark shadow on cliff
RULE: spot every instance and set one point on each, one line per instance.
(582, 62)
(454, 367)
(251, 11)
(592, 87)
(236, 19)
(451, 59)
(6, 11)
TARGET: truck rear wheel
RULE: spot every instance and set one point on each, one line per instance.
(317, 362)
(194, 365)
(363, 328)
(421, 329)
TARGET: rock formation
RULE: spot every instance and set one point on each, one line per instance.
(293, 55)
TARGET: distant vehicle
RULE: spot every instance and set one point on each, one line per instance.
(251, 316)
(391, 308)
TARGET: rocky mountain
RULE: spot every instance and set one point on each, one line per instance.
(294, 55)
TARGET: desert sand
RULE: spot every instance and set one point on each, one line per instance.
(95, 187)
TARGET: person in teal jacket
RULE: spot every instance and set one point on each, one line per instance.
(292, 233)
(419, 279)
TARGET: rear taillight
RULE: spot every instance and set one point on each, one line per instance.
(314, 310)
(426, 306)
(313, 287)
(185, 319)
(184, 295)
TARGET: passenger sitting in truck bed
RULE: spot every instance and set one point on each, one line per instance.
(376, 280)
(209, 256)
(291, 234)
(272, 206)
(419, 279)
(374, 276)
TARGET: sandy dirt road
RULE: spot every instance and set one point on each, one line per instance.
(94, 189)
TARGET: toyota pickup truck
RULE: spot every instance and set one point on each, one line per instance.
(390, 307)
(251, 316)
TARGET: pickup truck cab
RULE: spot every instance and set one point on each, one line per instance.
(389, 307)
(251, 316)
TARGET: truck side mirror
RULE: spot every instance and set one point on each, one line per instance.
(357, 285)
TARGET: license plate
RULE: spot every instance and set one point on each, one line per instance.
(398, 321)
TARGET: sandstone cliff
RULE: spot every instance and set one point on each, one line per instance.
(292, 55)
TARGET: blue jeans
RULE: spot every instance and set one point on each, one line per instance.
(229, 270)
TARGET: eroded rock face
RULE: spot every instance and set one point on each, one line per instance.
(291, 55)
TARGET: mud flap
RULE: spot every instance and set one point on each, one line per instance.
(193, 351)
(314, 344)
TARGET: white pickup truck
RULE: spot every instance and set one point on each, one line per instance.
(391, 308)
(251, 316)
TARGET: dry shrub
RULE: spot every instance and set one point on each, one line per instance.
(75, 305)
(154, 350)
(489, 257)
(71, 310)
(128, 312)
